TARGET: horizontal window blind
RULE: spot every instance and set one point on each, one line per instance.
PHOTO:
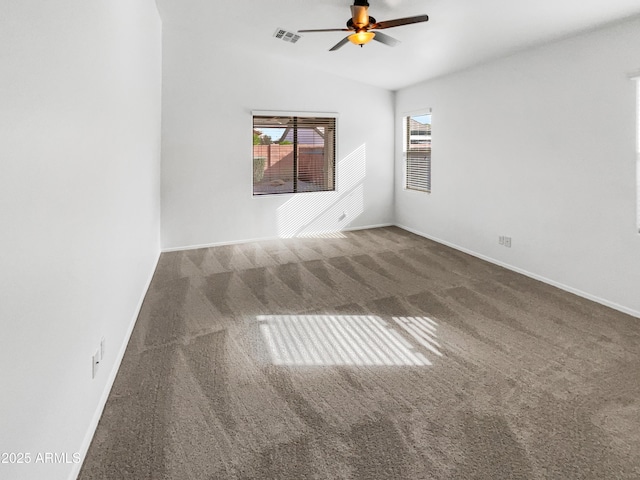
(293, 154)
(418, 152)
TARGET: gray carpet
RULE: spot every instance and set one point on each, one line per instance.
(378, 355)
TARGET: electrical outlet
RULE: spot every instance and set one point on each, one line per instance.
(501, 240)
(507, 242)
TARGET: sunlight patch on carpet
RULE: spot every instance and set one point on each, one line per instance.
(366, 340)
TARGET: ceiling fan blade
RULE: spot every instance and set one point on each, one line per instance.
(339, 44)
(386, 39)
(326, 30)
(360, 15)
(400, 21)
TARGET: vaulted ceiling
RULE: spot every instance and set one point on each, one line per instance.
(459, 34)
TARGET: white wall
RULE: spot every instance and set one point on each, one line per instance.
(210, 88)
(539, 146)
(79, 211)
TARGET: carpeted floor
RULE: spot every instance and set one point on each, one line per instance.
(378, 355)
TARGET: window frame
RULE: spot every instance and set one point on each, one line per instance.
(407, 133)
(300, 114)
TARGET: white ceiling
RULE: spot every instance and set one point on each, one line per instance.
(459, 34)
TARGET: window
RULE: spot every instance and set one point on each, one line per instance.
(293, 154)
(417, 150)
(637, 79)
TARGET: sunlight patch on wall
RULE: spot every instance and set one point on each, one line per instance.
(365, 340)
(352, 169)
(312, 213)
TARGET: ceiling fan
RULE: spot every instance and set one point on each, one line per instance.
(363, 25)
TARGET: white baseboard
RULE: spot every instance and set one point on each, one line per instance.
(535, 276)
(259, 239)
(112, 377)
(377, 225)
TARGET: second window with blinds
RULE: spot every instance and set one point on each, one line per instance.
(293, 154)
(417, 152)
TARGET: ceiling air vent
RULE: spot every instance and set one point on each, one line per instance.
(286, 36)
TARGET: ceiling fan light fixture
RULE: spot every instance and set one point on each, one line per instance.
(361, 25)
(361, 38)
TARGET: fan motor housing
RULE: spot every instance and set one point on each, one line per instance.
(351, 25)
